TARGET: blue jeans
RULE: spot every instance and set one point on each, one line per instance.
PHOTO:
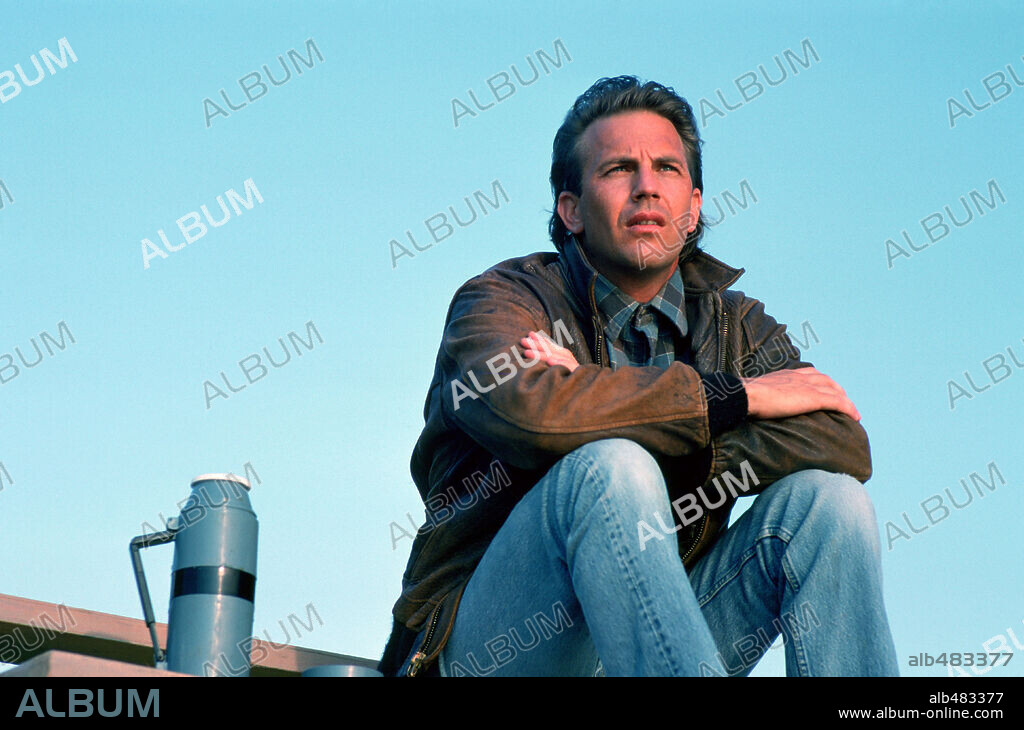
(571, 583)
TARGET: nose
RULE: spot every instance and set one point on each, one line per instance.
(645, 183)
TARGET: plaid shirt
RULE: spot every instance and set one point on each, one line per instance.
(638, 334)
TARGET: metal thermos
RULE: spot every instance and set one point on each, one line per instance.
(213, 579)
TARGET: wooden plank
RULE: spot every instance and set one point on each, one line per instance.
(63, 664)
(29, 628)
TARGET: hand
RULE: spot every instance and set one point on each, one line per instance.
(537, 344)
(785, 393)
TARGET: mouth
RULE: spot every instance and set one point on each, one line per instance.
(645, 222)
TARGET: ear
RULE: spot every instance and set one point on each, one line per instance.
(569, 211)
(695, 203)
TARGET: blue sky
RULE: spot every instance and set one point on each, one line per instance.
(854, 147)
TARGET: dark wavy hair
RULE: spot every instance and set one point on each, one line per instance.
(611, 96)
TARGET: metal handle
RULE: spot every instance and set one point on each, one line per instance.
(137, 543)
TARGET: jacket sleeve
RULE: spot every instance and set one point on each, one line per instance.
(775, 448)
(529, 414)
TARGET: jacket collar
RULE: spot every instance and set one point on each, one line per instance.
(702, 273)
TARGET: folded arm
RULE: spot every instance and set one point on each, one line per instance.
(529, 412)
(797, 419)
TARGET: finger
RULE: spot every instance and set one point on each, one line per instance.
(846, 406)
(544, 357)
(535, 340)
(543, 338)
(545, 344)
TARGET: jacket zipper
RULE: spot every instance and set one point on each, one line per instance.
(721, 367)
(700, 534)
(416, 663)
(597, 324)
(725, 334)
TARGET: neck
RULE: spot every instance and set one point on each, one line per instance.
(642, 286)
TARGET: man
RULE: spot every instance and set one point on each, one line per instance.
(576, 515)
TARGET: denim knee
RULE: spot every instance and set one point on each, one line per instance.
(618, 470)
(836, 506)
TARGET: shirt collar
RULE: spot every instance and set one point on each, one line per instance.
(617, 307)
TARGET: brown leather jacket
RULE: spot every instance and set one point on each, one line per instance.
(530, 419)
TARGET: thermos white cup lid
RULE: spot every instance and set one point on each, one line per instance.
(222, 477)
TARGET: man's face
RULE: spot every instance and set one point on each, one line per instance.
(636, 188)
